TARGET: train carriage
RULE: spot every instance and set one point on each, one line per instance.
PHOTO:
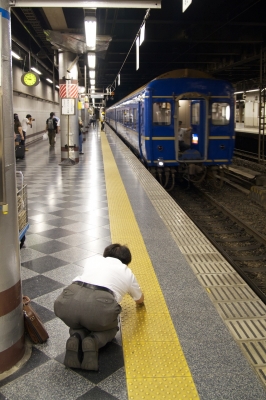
(148, 120)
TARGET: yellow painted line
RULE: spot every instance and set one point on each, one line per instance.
(155, 365)
(220, 137)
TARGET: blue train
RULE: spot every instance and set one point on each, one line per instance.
(181, 123)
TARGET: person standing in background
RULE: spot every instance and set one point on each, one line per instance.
(181, 133)
(51, 127)
(18, 130)
(80, 135)
(24, 123)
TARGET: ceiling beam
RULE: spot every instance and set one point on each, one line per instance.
(87, 3)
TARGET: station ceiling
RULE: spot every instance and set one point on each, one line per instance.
(226, 38)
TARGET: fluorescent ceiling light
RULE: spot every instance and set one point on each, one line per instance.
(49, 80)
(92, 81)
(142, 34)
(36, 70)
(15, 55)
(253, 90)
(92, 60)
(90, 32)
(137, 53)
(81, 89)
(57, 86)
(92, 74)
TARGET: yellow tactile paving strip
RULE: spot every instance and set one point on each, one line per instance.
(155, 365)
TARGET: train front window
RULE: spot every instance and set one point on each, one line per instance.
(220, 113)
(161, 113)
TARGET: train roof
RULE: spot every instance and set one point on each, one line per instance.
(176, 73)
(184, 73)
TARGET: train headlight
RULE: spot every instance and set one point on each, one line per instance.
(160, 162)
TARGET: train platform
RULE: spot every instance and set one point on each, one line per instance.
(201, 334)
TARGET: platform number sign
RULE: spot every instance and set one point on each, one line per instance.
(186, 4)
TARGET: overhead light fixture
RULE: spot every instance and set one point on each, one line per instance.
(36, 70)
(92, 74)
(57, 86)
(81, 89)
(92, 60)
(92, 81)
(137, 53)
(15, 55)
(142, 34)
(90, 31)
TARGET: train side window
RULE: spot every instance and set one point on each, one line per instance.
(126, 116)
(161, 113)
(134, 124)
(195, 114)
(220, 113)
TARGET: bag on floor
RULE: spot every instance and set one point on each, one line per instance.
(20, 151)
(45, 136)
(33, 324)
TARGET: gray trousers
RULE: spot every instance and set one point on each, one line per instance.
(88, 312)
(51, 136)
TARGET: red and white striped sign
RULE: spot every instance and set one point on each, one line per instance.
(68, 90)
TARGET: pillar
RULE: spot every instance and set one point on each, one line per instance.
(12, 346)
(68, 123)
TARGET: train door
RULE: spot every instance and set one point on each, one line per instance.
(198, 122)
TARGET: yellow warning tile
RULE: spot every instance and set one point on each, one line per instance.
(179, 388)
(145, 326)
(150, 344)
(151, 359)
(151, 302)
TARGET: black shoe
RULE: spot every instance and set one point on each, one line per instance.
(73, 355)
(81, 153)
(90, 354)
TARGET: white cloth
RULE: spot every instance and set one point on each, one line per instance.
(181, 133)
(112, 274)
(24, 124)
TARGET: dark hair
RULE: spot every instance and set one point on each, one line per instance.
(28, 116)
(52, 114)
(180, 122)
(118, 251)
(16, 118)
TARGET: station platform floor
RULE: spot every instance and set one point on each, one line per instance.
(177, 346)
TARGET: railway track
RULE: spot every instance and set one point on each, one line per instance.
(234, 224)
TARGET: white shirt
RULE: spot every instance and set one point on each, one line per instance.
(24, 124)
(112, 274)
(181, 132)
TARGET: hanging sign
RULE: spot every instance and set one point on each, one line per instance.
(68, 89)
(68, 107)
(186, 4)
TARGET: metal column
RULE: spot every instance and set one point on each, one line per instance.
(12, 346)
(262, 112)
(69, 132)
